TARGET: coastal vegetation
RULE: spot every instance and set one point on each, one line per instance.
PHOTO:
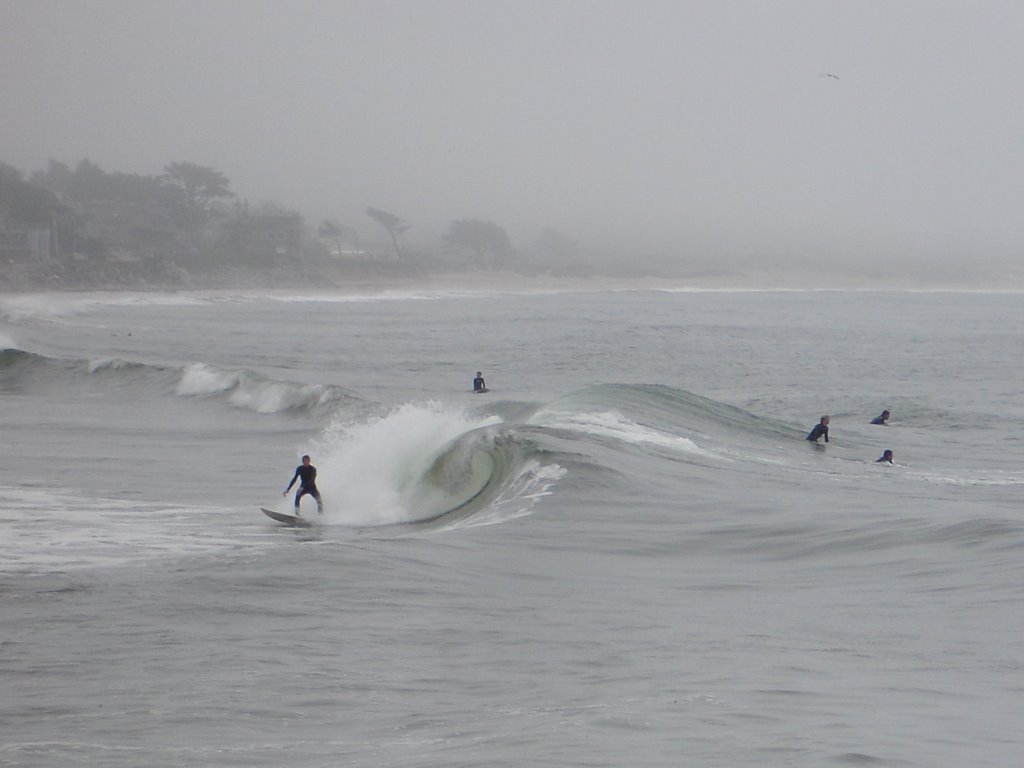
(82, 227)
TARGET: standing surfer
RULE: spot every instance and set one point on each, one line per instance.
(305, 473)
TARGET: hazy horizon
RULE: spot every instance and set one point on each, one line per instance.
(795, 132)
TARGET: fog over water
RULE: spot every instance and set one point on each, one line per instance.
(769, 134)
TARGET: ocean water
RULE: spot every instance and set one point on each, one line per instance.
(624, 554)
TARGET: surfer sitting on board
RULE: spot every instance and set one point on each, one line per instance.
(478, 383)
(820, 430)
(305, 473)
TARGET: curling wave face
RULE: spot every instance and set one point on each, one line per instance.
(437, 466)
(431, 465)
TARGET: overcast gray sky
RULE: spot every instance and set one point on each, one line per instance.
(693, 125)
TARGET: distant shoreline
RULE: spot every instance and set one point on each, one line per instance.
(503, 282)
(527, 287)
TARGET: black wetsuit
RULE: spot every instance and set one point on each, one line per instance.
(306, 475)
(820, 430)
(478, 384)
(883, 420)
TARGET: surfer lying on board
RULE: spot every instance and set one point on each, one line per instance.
(882, 419)
(820, 430)
(886, 457)
(305, 473)
(478, 383)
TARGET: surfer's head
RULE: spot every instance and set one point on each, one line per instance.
(825, 420)
(305, 459)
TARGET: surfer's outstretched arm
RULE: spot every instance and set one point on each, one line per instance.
(294, 478)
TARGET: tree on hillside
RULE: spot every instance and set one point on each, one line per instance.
(200, 187)
(57, 178)
(25, 205)
(123, 212)
(393, 224)
(487, 241)
(23, 202)
(87, 181)
(200, 184)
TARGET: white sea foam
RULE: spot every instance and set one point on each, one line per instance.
(202, 379)
(616, 426)
(102, 364)
(55, 306)
(980, 478)
(45, 531)
(533, 483)
(265, 396)
(367, 470)
(33, 305)
(252, 392)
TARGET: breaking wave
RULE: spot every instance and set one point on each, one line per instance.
(239, 388)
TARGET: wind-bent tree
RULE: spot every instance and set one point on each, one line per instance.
(393, 224)
(329, 230)
(487, 241)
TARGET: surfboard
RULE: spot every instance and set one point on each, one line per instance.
(292, 520)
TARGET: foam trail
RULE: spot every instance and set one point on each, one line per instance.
(62, 531)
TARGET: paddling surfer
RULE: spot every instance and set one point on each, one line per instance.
(882, 419)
